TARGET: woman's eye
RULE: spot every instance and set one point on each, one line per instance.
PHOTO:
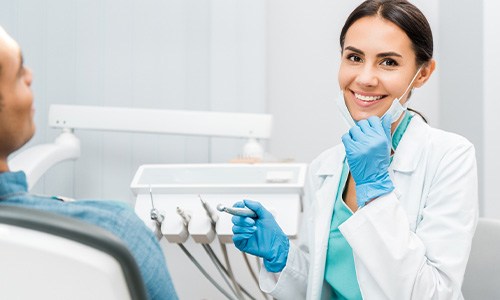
(354, 58)
(389, 63)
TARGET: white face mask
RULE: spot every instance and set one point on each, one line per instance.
(344, 111)
(394, 111)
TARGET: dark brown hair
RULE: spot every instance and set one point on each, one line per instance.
(405, 15)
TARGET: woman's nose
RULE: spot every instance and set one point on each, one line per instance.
(367, 77)
(28, 75)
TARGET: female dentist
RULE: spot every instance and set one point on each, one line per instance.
(391, 211)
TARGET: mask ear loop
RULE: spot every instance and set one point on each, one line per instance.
(406, 91)
(411, 82)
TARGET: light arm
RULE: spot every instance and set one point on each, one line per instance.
(36, 160)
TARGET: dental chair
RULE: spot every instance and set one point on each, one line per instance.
(482, 276)
(48, 256)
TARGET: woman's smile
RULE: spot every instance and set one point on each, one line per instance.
(367, 99)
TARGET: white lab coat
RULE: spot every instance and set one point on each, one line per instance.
(412, 243)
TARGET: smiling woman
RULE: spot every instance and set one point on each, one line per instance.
(390, 213)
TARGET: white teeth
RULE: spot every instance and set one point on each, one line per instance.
(367, 98)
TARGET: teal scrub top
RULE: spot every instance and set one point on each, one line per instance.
(340, 272)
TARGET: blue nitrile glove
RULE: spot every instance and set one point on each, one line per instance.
(261, 236)
(368, 151)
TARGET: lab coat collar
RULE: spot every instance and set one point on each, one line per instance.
(406, 157)
(410, 148)
(333, 163)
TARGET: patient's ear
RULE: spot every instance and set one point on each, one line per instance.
(425, 73)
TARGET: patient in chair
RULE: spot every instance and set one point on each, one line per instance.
(17, 128)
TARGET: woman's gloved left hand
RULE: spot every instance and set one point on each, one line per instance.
(368, 150)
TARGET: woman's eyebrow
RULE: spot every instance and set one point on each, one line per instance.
(386, 54)
(379, 55)
(353, 49)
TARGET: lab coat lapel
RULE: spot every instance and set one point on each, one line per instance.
(325, 198)
(325, 195)
(410, 148)
(324, 201)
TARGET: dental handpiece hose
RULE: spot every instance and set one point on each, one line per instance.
(219, 263)
(228, 270)
(205, 273)
(186, 218)
(219, 268)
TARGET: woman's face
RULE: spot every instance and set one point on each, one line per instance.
(377, 65)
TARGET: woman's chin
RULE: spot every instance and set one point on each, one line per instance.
(365, 116)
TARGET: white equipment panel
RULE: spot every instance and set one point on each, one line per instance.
(278, 187)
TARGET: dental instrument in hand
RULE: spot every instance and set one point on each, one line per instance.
(237, 211)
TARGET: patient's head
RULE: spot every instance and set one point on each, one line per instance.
(16, 99)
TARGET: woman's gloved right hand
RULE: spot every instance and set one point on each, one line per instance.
(261, 236)
(368, 149)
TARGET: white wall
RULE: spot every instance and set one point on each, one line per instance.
(462, 96)
(153, 54)
(491, 109)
